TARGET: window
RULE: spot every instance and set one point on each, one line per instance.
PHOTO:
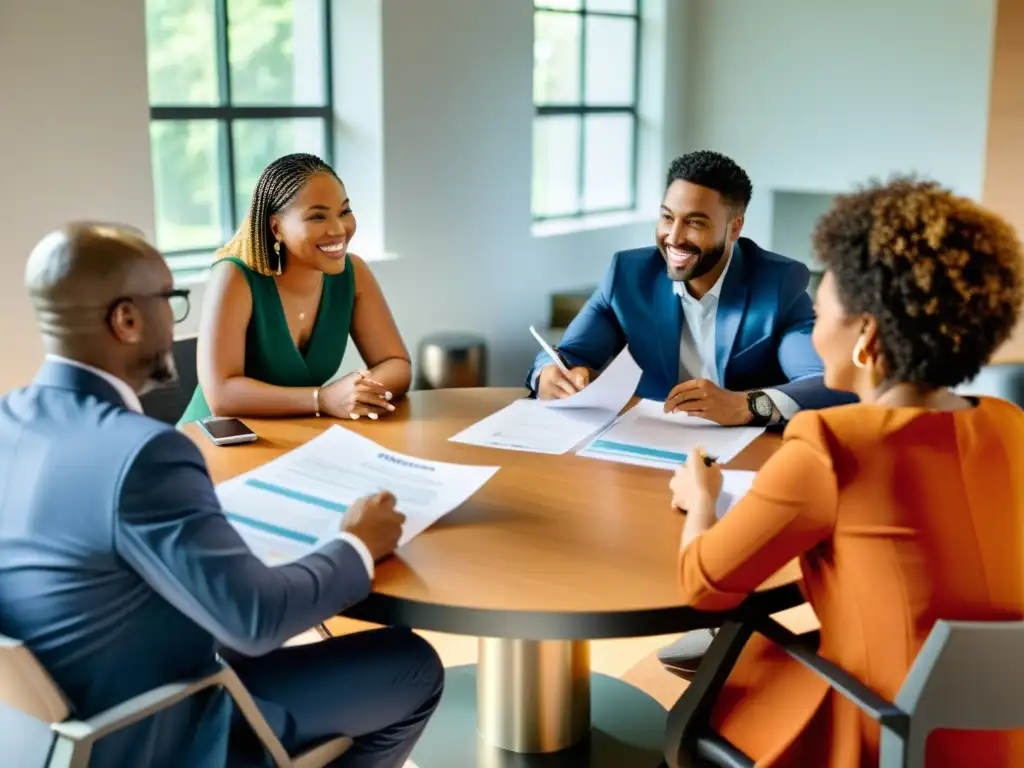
(233, 84)
(586, 69)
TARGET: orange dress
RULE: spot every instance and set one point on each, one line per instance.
(900, 517)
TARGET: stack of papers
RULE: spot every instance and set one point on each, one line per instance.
(558, 426)
(295, 504)
(649, 437)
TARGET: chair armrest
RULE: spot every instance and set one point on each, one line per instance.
(884, 712)
(136, 708)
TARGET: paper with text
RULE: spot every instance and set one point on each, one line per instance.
(610, 391)
(529, 425)
(649, 437)
(295, 504)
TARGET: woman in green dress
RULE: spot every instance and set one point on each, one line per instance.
(282, 301)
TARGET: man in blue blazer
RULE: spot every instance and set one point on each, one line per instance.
(120, 572)
(720, 327)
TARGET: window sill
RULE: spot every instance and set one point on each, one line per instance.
(190, 275)
(557, 227)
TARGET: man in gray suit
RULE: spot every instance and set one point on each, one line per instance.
(120, 572)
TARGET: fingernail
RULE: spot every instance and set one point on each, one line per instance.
(387, 395)
(354, 416)
(391, 407)
(373, 416)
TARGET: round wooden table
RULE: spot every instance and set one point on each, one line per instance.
(552, 552)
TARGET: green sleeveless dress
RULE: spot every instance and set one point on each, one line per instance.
(270, 354)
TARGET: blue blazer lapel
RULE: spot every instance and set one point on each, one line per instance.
(668, 319)
(70, 377)
(732, 304)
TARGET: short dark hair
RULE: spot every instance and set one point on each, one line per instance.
(714, 171)
(940, 274)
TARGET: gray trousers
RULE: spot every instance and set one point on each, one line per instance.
(379, 688)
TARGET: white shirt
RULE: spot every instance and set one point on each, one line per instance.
(131, 400)
(697, 342)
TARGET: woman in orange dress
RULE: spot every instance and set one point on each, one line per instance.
(905, 508)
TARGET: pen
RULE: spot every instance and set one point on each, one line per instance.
(550, 352)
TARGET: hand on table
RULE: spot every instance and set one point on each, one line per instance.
(696, 486)
(375, 521)
(699, 397)
(355, 396)
(555, 385)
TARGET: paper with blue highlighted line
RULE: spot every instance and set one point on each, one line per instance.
(647, 436)
(295, 504)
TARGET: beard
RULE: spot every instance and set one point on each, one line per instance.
(707, 260)
(163, 372)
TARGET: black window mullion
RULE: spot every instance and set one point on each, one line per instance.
(635, 179)
(328, 84)
(227, 141)
(581, 180)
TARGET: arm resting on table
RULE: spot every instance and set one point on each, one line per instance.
(171, 529)
(593, 337)
(790, 508)
(797, 358)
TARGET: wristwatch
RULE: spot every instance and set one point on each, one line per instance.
(761, 409)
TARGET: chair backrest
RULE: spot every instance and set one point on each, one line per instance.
(26, 686)
(1002, 380)
(169, 403)
(967, 676)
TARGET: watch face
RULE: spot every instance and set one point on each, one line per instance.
(763, 405)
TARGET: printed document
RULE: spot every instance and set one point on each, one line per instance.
(295, 504)
(558, 426)
(649, 437)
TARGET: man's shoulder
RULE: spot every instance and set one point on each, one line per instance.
(78, 424)
(758, 258)
(634, 257)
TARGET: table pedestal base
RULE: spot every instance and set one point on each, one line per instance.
(619, 726)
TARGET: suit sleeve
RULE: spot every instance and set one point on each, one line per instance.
(594, 336)
(789, 510)
(171, 530)
(797, 358)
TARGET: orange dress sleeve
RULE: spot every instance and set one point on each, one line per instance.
(790, 508)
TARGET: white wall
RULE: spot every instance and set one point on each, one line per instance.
(815, 96)
(74, 139)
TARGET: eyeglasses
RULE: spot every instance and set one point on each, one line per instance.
(177, 298)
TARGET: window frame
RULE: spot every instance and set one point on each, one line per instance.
(225, 113)
(581, 109)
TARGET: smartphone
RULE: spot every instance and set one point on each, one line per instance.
(227, 431)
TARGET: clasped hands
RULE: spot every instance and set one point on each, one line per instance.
(697, 397)
(355, 396)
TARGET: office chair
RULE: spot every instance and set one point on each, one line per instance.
(169, 403)
(27, 687)
(946, 687)
(1002, 380)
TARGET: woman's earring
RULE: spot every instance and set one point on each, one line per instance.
(277, 250)
(858, 353)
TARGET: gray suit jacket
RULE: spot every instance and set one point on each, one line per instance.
(120, 572)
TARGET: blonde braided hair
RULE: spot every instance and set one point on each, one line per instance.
(276, 187)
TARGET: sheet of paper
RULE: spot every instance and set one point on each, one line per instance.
(735, 484)
(649, 437)
(529, 425)
(610, 391)
(294, 504)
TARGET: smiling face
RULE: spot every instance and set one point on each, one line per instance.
(694, 230)
(316, 227)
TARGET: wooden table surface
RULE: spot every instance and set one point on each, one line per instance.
(552, 547)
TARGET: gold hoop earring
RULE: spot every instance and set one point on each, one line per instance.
(857, 354)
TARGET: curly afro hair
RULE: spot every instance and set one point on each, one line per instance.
(714, 171)
(940, 274)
